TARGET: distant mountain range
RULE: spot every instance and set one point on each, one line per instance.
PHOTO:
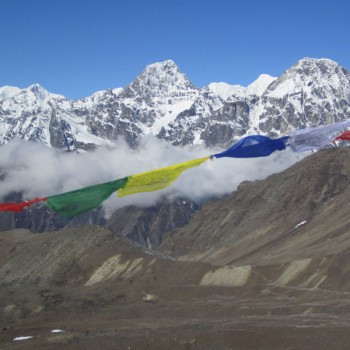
(162, 101)
(264, 267)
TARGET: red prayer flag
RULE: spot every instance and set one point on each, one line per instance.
(18, 207)
(345, 136)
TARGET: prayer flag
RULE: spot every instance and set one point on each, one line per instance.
(254, 146)
(18, 207)
(158, 179)
(76, 202)
(345, 136)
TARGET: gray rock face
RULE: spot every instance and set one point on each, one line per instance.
(149, 226)
(310, 93)
(163, 101)
(146, 226)
(39, 218)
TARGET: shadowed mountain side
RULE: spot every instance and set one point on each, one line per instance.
(148, 226)
(39, 218)
(300, 213)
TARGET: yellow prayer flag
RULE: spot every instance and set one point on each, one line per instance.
(158, 179)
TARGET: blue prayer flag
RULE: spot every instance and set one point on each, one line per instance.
(254, 146)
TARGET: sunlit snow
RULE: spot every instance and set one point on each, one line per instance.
(300, 224)
(23, 338)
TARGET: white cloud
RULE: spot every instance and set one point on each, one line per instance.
(39, 171)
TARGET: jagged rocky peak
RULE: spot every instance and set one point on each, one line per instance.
(324, 66)
(40, 93)
(166, 73)
(27, 97)
(160, 79)
(38, 90)
(310, 74)
(310, 93)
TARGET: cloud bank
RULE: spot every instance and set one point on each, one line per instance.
(39, 171)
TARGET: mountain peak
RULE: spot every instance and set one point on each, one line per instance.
(164, 72)
(315, 61)
(258, 86)
(167, 64)
(320, 66)
(316, 74)
(36, 88)
(162, 101)
(160, 79)
(38, 91)
(41, 93)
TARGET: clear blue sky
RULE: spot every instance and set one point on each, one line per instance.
(77, 47)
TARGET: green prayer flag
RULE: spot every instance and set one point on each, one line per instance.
(76, 202)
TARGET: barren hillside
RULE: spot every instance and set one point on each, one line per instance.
(264, 268)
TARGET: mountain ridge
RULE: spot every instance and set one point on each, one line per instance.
(164, 102)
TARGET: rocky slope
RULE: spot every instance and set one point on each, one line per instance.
(164, 102)
(39, 218)
(298, 213)
(263, 268)
(148, 226)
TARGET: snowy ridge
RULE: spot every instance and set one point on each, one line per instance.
(8, 92)
(164, 102)
(259, 86)
(224, 90)
(311, 92)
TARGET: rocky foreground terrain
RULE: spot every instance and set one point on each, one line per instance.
(264, 268)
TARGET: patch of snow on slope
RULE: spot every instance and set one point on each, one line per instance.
(169, 112)
(283, 88)
(197, 139)
(260, 85)
(82, 134)
(224, 90)
(23, 338)
(8, 91)
(117, 91)
(300, 224)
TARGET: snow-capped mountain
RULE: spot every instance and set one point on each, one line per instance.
(311, 92)
(163, 101)
(37, 115)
